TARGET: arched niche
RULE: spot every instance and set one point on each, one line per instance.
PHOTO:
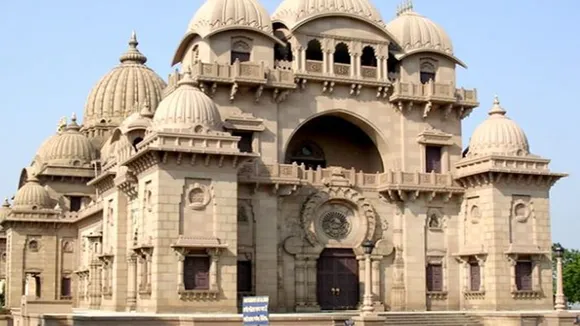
(337, 138)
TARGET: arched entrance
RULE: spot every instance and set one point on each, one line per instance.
(334, 140)
(337, 279)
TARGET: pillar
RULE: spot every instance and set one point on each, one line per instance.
(376, 283)
(132, 283)
(300, 265)
(311, 274)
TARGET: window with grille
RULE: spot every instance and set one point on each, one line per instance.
(434, 277)
(524, 275)
(433, 159)
(474, 276)
(196, 273)
(65, 287)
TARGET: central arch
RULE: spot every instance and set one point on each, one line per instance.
(337, 138)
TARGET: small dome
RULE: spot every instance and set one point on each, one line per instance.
(41, 152)
(498, 135)
(218, 15)
(32, 196)
(417, 33)
(187, 108)
(138, 120)
(69, 148)
(215, 16)
(293, 13)
(115, 96)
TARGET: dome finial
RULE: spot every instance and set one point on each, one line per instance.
(496, 109)
(61, 125)
(146, 110)
(186, 79)
(406, 6)
(133, 55)
(6, 202)
(73, 123)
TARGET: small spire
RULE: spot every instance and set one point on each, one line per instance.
(61, 125)
(73, 123)
(133, 55)
(186, 79)
(146, 111)
(406, 6)
(6, 202)
(496, 109)
(32, 178)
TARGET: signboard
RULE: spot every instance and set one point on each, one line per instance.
(255, 311)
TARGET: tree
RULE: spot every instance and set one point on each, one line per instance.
(570, 273)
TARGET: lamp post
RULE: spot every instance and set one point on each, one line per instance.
(560, 304)
(368, 246)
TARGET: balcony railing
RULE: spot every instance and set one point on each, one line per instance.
(342, 69)
(368, 72)
(314, 66)
(433, 91)
(294, 174)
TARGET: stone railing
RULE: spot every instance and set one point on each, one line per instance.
(298, 174)
(445, 92)
(342, 69)
(368, 72)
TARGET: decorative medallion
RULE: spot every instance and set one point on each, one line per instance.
(198, 196)
(33, 245)
(339, 214)
(335, 225)
(434, 219)
(521, 210)
(67, 246)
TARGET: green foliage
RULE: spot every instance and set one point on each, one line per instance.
(571, 274)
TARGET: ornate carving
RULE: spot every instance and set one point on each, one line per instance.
(367, 216)
(336, 225)
(434, 219)
(67, 246)
(197, 196)
(33, 245)
(474, 214)
(521, 210)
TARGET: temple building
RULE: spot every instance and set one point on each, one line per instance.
(278, 145)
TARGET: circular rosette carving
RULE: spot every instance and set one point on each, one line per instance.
(197, 196)
(338, 217)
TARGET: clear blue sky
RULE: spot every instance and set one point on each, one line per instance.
(526, 51)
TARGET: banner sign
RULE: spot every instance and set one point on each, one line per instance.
(255, 311)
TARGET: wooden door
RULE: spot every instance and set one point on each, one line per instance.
(338, 280)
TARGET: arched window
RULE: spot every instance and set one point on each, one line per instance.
(368, 62)
(341, 59)
(240, 51)
(341, 54)
(195, 54)
(314, 50)
(137, 141)
(283, 53)
(310, 154)
(427, 72)
(368, 57)
(393, 65)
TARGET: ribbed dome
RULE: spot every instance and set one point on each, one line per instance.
(186, 108)
(69, 148)
(215, 16)
(417, 33)
(138, 120)
(32, 196)
(120, 92)
(293, 12)
(218, 15)
(498, 135)
(41, 152)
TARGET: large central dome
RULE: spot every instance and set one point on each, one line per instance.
(293, 13)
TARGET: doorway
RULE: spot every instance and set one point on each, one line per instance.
(338, 280)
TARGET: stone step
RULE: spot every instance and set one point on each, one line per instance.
(422, 319)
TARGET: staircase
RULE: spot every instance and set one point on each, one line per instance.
(431, 318)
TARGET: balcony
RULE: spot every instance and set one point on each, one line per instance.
(353, 75)
(249, 74)
(434, 96)
(394, 185)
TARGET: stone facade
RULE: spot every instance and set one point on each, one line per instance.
(277, 148)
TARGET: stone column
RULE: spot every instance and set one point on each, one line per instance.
(331, 62)
(380, 71)
(352, 65)
(376, 282)
(312, 300)
(368, 296)
(141, 273)
(361, 278)
(132, 283)
(180, 285)
(560, 302)
(213, 268)
(300, 265)
(324, 62)
(481, 263)
(385, 69)
(303, 59)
